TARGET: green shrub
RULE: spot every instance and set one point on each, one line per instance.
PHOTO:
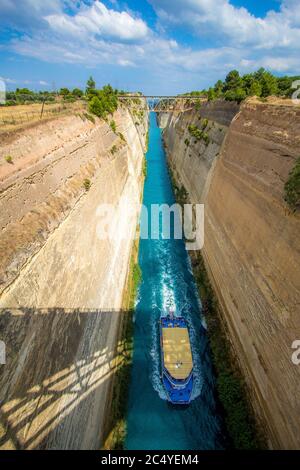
(206, 138)
(63, 92)
(90, 117)
(69, 99)
(198, 134)
(90, 86)
(195, 131)
(137, 275)
(86, 184)
(211, 95)
(121, 136)
(237, 95)
(102, 102)
(113, 126)
(145, 167)
(114, 149)
(9, 159)
(96, 107)
(204, 123)
(292, 187)
(77, 93)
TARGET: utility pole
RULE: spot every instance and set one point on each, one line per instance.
(44, 99)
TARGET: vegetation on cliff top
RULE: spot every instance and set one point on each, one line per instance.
(27, 96)
(292, 187)
(237, 87)
(102, 102)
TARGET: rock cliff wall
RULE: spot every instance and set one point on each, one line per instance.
(62, 281)
(252, 244)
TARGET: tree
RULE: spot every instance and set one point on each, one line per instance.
(268, 84)
(64, 92)
(255, 88)
(218, 88)
(246, 82)
(96, 107)
(24, 91)
(211, 95)
(238, 95)
(259, 74)
(108, 90)
(90, 86)
(77, 92)
(232, 80)
(104, 101)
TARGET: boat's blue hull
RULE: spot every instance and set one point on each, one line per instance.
(179, 392)
(178, 396)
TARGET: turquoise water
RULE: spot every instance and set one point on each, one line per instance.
(153, 423)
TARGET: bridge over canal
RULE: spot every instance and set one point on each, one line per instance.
(163, 103)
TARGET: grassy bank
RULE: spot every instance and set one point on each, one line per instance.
(231, 389)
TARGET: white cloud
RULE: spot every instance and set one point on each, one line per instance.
(126, 63)
(99, 20)
(27, 14)
(8, 80)
(218, 18)
(95, 34)
(281, 64)
(13, 81)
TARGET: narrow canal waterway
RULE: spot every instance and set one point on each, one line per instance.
(152, 423)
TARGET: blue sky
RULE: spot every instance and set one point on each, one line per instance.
(154, 46)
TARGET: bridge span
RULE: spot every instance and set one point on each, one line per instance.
(163, 103)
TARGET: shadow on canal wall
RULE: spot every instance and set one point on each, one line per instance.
(56, 387)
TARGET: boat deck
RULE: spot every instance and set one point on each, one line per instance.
(177, 352)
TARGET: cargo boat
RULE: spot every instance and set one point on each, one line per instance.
(177, 360)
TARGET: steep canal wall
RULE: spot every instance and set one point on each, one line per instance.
(237, 167)
(61, 282)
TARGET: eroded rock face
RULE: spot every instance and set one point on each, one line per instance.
(190, 158)
(62, 282)
(252, 247)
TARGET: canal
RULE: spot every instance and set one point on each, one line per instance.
(168, 283)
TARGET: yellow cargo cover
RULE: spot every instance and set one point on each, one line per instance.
(177, 352)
